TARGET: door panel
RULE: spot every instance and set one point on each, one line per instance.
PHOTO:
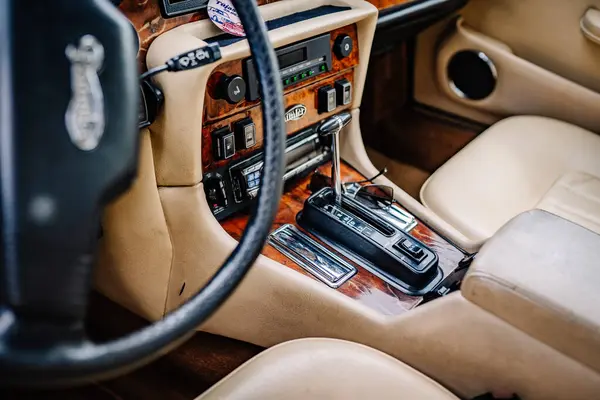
(543, 62)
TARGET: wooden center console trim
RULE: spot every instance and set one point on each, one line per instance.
(219, 113)
(364, 287)
(147, 20)
(216, 109)
(306, 96)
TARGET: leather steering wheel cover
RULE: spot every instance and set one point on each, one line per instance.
(82, 362)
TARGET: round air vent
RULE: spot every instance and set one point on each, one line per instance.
(471, 75)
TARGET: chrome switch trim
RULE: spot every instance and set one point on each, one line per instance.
(311, 255)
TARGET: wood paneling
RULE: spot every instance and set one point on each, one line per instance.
(383, 4)
(218, 113)
(149, 23)
(392, 125)
(306, 96)
(216, 109)
(364, 286)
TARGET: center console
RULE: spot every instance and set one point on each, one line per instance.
(331, 233)
(317, 75)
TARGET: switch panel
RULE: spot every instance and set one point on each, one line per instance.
(223, 143)
(343, 89)
(245, 133)
(327, 99)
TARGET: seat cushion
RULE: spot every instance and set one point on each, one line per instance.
(506, 170)
(576, 197)
(540, 274)
(325, 369)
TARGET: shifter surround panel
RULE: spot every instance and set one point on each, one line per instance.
(365, 287)
(410, 263)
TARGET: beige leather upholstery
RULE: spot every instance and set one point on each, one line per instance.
(548, 60)
(540, 274)
(509, 169)
(576, 197)
(325, 369)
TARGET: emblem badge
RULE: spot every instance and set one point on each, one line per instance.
(85, 118)
(295, 113)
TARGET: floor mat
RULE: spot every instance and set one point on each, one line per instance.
(406, 176)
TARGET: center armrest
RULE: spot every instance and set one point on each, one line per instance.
(541, 273)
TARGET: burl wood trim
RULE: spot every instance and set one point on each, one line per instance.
(364, 287)
(306, 96)
(217, 109)
(149, 23)
(383, 4)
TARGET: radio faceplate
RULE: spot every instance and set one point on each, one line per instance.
(297, 62)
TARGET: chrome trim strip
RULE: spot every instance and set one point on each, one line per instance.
(308, 164)
(302, 142)
(393, 214)
(311, 255)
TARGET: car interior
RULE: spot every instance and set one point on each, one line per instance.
(350, 199)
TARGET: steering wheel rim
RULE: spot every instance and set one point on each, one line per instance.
(78, 360)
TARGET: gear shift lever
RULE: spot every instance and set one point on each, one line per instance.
(332, 127)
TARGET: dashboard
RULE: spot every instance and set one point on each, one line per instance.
(148, 19)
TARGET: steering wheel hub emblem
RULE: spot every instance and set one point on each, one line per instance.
(85, 119)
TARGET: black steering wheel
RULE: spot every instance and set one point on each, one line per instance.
(68, 145)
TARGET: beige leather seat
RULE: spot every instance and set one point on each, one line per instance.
(325, 369)
(519, 164)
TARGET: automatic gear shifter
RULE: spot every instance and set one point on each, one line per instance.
(332, 127)
(345, 221)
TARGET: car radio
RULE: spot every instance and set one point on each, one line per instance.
(297, 62)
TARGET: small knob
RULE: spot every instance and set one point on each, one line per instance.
(343, 46)
(232, 88)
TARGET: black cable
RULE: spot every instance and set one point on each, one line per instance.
(154, 71)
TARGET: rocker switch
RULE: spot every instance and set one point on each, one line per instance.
(245, 132)
(410, 248)
(343, 90)
(327, 99)
(223, 143)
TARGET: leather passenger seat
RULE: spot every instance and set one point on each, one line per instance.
(325, 369)
(518, 164)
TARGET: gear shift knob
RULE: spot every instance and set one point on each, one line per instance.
(332, 126)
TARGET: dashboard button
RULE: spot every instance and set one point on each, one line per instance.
(327, 99)
(245, 133)
(343, 90)
(412, 249)
(223, 143)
